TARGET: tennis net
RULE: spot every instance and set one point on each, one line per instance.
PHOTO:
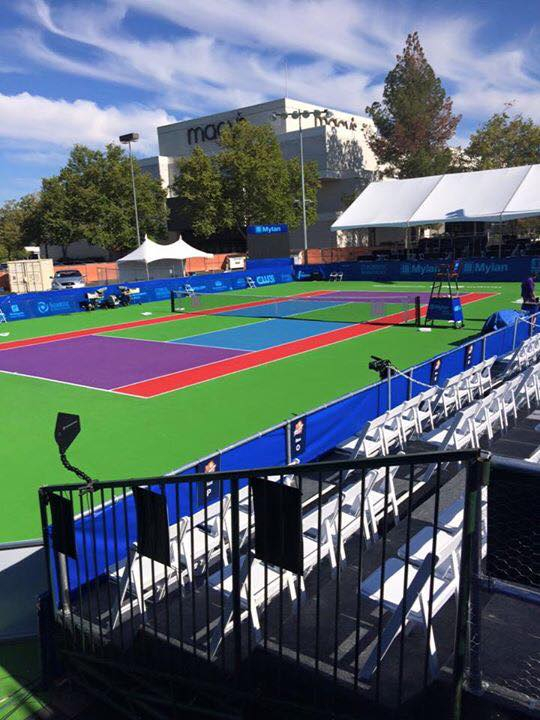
(337, 307)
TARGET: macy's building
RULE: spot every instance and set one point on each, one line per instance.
(338, 145)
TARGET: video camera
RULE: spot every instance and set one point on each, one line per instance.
(383, 367)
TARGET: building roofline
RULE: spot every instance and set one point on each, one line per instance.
(170, 126)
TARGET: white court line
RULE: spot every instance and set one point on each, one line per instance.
(267, 362)
(173, 340)
(60, 382)
(213, 347)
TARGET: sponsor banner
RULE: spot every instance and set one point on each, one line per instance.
(208, 492)
(62, 302)
(297, 436)
(467, 359)
(473, 269)
(445, 308)
(435, 371)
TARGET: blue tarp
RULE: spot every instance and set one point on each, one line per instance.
(62, 302)
(501, 319)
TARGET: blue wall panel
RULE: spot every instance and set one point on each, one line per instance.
(476, 269)
(62, 302)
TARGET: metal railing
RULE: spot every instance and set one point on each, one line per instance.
(297, 585)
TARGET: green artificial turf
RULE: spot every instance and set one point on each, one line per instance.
(124, 436)
(20, 680)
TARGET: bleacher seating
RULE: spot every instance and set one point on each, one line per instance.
(195, 544)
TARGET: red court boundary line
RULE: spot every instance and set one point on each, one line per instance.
(212, 371)
(12, 344)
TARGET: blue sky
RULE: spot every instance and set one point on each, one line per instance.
(88, 71)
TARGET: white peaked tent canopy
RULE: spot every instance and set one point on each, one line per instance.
(483, 196)
(150, 251)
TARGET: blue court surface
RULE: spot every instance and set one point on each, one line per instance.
(260, 336)
(284, 308)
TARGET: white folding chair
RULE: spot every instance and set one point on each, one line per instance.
(495, 414)
(363, 501)
(484, 375)
(447, 400)
(426, 402)
(414, 604)
(370, 442)
(141, 578)
(455, 433)
(319, 536)
(203, 542)
(507, 401)
(393, 428)
(451, 518)
(260, 583)
(421, 545)
(526, 387)
(463, 390)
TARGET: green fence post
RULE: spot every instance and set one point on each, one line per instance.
(469, 587)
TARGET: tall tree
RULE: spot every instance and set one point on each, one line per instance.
(505, 141)
(414, 122)
(91, 199)
(198, 187)
(254, 175)
(247, 182)
(19, 226)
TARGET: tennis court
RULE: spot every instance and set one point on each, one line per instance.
(156, 389)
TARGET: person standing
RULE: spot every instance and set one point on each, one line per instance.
(528, 290)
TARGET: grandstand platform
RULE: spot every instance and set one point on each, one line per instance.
(312, 652)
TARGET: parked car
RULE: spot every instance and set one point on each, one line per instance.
(67, 280)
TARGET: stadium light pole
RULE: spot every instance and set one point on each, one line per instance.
(127, 140)
(298, 115)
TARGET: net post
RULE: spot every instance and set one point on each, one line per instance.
(417, 311)
(172, 301)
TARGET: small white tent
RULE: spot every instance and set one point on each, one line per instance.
(484, 196)
(166, 260)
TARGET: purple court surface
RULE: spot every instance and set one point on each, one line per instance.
(107, 362)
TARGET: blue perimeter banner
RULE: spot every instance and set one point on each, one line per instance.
(477, 269)
(64, 302)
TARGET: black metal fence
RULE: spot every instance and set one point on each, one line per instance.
(312, 587)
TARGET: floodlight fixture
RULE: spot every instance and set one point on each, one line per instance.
(129, 138)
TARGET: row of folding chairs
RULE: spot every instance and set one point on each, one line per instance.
(527, 353)
(325, 532)
(195, 543)
(461, 389)
(411, 418)
(486, 416)
(434, 550)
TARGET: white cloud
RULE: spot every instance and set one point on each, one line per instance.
(32, 119)
(232, 53)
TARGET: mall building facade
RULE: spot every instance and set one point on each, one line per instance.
(337, 144)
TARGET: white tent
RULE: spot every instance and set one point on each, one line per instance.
(152, 252)
(484, 196)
